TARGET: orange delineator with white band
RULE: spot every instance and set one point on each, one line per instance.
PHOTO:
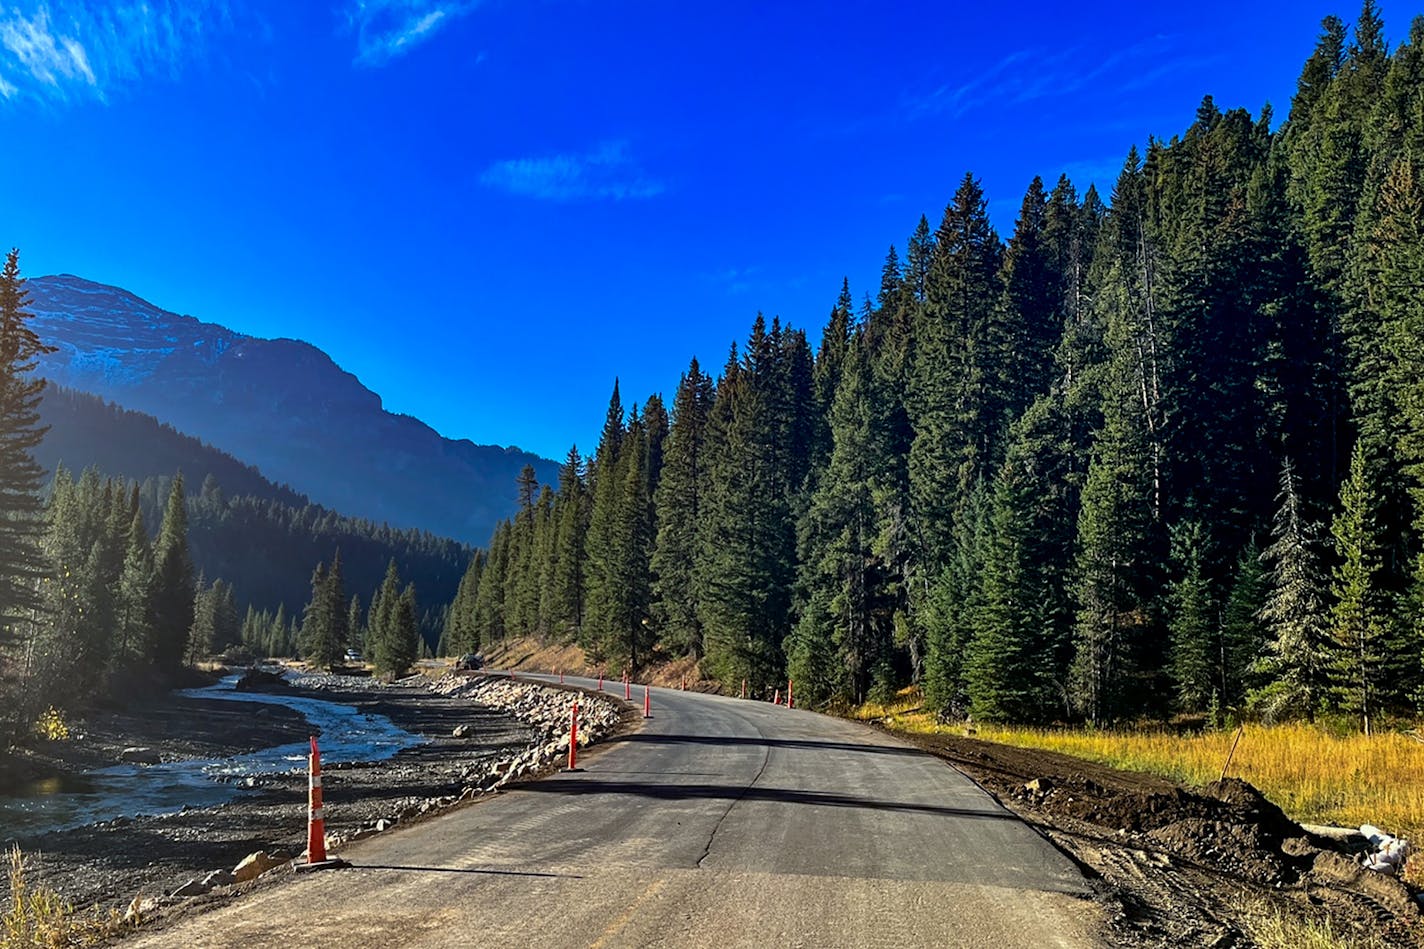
(316, 820)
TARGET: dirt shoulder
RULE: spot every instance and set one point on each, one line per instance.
(109, 863)
(1184, 866)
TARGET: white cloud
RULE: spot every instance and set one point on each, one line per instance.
(1025, 76)
(386, 29)
(66, 50)
(606, 172)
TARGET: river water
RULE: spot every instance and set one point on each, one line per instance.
(132, 790)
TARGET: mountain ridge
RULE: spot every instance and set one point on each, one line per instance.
(282, 405)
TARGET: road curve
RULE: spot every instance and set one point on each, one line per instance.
(720, 823)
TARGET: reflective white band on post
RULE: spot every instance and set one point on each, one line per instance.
(316, 780)
(318, 813)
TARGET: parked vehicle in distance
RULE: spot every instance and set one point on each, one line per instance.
(353, 655)
(471, 661)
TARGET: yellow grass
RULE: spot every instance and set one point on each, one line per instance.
(1314, 776)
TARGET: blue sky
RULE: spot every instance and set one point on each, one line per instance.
(487, 209)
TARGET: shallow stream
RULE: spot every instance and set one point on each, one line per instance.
(133, 790)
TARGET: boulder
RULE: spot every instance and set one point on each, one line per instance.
(255, 864)
(219, 878)
(193, 887)
(140, 909)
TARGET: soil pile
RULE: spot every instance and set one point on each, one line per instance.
(1186, 866)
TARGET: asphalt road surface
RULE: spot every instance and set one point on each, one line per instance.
(720, 823)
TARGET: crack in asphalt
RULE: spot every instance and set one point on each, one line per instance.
(766, 758)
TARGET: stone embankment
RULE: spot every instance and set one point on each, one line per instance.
(548, 711)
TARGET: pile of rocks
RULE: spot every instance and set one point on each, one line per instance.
(548, 712)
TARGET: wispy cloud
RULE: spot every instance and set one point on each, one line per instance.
(1029, 75)
(65, 51)
(606, 172)
(386, 29)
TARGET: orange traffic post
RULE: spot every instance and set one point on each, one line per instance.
(561, 677)
(573, 738)
(600, 680)
(788, 694)
(744, 688)
(316, 820)
(683, 686)
(776, 700)
(627, 687)
(647, 702)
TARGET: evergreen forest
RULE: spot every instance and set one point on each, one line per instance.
(1153, 452)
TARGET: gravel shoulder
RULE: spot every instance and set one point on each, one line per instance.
(1185, 866)
(110, 863)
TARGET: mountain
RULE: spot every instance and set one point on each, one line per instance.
(87, 432)
(240, 511)
(279, 404)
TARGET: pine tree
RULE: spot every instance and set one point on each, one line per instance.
(1116, 552)
(1242, 637)
(838, 534)
(22, 563)
(394, 627)
(1358, 617)
(1008, 669)
(172, 602)
(1295, 670)
(679, 502)
(746, 543)
(1191, 625)
(355, 625)
(571, 513)
(953, 606)
(955, 419)
(601, 543)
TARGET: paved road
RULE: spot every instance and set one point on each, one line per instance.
(721, 823)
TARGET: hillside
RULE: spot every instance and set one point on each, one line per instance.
(86, 431)
(282, 405)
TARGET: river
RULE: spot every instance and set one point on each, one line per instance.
(131, 790)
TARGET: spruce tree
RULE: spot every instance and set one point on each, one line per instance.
(1295, 669)
(679, 502)
(571, 513)
(22, 562)
(1192, 625)
(1358, 618)
(172, 592)
(1008, 669)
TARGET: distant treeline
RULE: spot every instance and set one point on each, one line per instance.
(1163, 455)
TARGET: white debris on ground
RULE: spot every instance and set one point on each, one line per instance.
(1387, 853)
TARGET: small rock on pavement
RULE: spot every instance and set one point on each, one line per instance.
(139, 756)
(254, 865)
(461, 731)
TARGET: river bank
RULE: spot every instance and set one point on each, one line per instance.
(108, 863)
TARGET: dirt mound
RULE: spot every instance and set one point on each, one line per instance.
(1228, 825)
(1183, 862)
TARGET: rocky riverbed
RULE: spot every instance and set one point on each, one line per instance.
(476, 733)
